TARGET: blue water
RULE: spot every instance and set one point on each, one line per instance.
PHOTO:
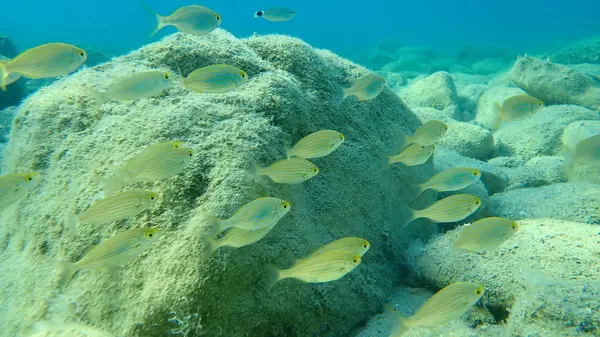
(344, 27)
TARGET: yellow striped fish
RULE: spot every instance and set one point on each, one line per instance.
(15, 186)
(217, 78)
(450, 209)
(366, 88)
(316, 145)
(413, 155)
(120, 206)
(444, 306)
(141, 85)
(289, 171)
(118, 250)
(236, 238)
(325, 267)
(486, 234)
(257, 214)
(427, 134)
(45, 61)
(452, 179)
(349, 245)
(194, 19)
(156, 162)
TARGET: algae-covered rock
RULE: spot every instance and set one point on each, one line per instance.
(539, 171)
(555, 83)
(544, 276)
(566, 201)
(171, 290)
(434, 91)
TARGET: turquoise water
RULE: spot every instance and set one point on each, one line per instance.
(436, 159)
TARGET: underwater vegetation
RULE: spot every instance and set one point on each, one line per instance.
(212, 185)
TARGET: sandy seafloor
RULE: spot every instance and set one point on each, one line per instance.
(543, 282)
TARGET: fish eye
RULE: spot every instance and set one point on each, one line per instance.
(514, 226)
(218, 17)
(433, 147)
(355, 260)
(285, 205)
(477, 202)
(166, 76)
(82, 53)
(365, 245)
(445, 127)
(315, 170)
(150, 235)
(29, 177)
(190, 153)
(475, 173)
(243, 74)
(175, 145)
(540, 103)
(478, 291)
(341, 137)
(151, 197)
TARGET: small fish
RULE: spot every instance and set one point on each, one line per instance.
(15, 186)
(366, 88)
(156, 162)
(325, 267)
(518, 107)
(45, 61)
(236, 238)
(450, 209)
(120, 206)
(12, 77)
(277, 14)
(141, 85)
(486, 234)
(118, 250)
(413, 155)
(194, 19)
(217, 78)
(452, 179)
(427, 134)
(257, 214)
(587, 151)
(316, 145)
(444, 306)
(289, 171)
(349, 245)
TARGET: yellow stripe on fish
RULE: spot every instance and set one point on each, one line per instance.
(451, 179)
(486, 234)
(45, 61)
(156, 162)
(289, 171)
(15, 186)
(236, 238)
(348, 245)
(450, 209)
(366, 88)
(257, 214)
(427, 134)
(118, 250)
(325, 267)
(316, 145)
(120, 206)
(218, 78)
(194, 19)
(444, 306)
(414, 155)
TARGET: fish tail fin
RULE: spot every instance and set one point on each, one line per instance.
(99, 97)
(3, 76)
(401, 139)
(569, 163)
(288, 154)
(160, 20)
(208, 246)
(72, 222)
(112, 185)
(399, 325)
(412, 214)
(216, 225)
(273, 276)
(498, 117)
(68, 269)
(419, 189)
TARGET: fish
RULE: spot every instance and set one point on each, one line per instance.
(486, 234)
(236, 238)
(427, 134)
(120, 206)
(194, 19)
(518, 107)
(277, 14)
(156, 162)
(317, 145)
(217, 78)
(12, 77)
(349, 245)
(121, 249)
(366, 88)
(259, 213)
(451, 179)
(324, 267)
(413, 155)
(444, 306)
(141, 85)
(587, 151)
(15, 186)
(289, 171)
(45, 61)
(450, 209)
